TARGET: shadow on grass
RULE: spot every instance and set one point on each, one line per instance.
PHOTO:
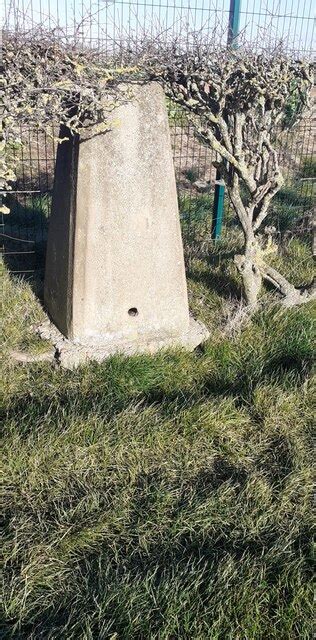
(205, 555)
(217, 280)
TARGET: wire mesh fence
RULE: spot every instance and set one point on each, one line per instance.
(108, 26)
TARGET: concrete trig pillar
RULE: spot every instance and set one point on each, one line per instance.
(115, 278)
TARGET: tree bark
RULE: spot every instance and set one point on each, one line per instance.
(251, 264)
(291, 295)
(247, 266)
(254, 270)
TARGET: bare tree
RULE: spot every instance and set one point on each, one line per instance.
(239, 103)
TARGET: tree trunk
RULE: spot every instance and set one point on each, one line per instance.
(254, 270)
(247, 266)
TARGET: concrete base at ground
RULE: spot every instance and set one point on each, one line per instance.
(115, 278)
(70, 354)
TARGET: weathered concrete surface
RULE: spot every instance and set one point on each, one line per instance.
(115, 268)
(70, 354)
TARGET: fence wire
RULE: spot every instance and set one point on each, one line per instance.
(108, 25)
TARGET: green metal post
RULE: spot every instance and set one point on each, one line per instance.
(233, 23)
(218, 207)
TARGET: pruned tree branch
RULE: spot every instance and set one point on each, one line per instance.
(237, 102)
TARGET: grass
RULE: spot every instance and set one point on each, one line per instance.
(161, 497)
(30, 214)
(170, 496)
(308, 167)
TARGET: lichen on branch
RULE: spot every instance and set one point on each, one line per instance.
(48, 80)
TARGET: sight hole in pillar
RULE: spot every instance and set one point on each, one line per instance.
(133, 311)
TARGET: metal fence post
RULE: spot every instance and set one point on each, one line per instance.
(233, 22)
(218, 207)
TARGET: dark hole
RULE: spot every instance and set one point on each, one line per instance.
(133, 311)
